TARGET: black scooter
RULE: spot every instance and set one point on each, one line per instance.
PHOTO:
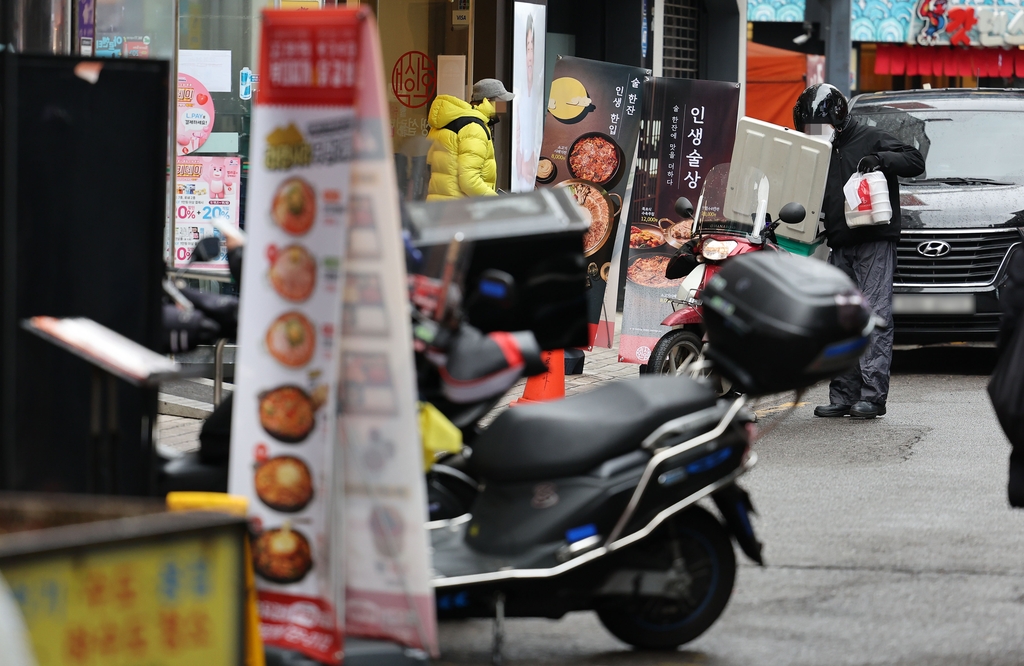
(590, 503)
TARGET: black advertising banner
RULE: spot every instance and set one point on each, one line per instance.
(689, 128)
(590, 134)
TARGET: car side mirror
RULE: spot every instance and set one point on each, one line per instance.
(792, 213)
(684, 208)
(207, 249)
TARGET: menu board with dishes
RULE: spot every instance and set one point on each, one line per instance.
(283, 451)
(388, 594)
(690, 128)
(590, 132)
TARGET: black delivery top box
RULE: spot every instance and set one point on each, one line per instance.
(536, 237)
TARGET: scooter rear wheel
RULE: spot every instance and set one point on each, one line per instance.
(697, 555)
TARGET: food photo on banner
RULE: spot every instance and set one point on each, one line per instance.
(689, 128)
(528, 87)
(590, 135)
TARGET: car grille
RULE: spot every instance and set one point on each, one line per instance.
(974, 257)
(980, 326)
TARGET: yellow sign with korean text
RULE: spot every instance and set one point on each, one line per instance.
(160, 602)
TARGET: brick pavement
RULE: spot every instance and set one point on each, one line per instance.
(178, 432)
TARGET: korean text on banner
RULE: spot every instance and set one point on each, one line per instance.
(590, 134)
(388, 593)
(690, 128)
(283, 450)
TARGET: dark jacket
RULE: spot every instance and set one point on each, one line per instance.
(1011, 301)
(898, 159)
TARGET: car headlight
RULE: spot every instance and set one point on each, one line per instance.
(715, 250)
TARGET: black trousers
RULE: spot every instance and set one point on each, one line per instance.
(871, 266)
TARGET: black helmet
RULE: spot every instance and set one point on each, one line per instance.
(821, 104)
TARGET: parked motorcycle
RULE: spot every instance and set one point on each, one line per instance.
(590, 503)
(726, 224)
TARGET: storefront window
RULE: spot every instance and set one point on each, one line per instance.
(414, 33)
(130, 29)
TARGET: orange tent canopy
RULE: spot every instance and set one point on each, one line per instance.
(775, 78)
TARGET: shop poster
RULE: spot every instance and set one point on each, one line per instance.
(284, 453)
(590, 135)
(206, 191)
(86, 26)
(690, 128)
(195, 114)
(388, 592)
(528, 87)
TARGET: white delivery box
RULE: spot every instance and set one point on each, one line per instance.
(796, 165)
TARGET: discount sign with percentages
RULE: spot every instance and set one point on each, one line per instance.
(207, 192)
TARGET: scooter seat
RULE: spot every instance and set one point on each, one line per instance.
(571, 437)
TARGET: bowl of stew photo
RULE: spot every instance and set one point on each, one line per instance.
(595, 157)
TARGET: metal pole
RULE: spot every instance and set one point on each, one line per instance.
(838, 45)
(42, 27)
(218, 371)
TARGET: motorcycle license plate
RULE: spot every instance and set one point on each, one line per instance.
(910, 304)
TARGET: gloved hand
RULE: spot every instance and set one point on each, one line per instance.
(869, 163)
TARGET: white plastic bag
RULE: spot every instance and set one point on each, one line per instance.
(867, 200)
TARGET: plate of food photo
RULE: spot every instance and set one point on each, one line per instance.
(288, 413)
(595, 157)
(294, 206)
(282, 555)
(293, 273)
(284, 483)
(291, 339)
(602, 206)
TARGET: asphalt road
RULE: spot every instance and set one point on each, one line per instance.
(887, 542)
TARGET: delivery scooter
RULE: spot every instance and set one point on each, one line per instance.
(590, 503)
(719, 233)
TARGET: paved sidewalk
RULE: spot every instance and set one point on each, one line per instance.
(601, 365)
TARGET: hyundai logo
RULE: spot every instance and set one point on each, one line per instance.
(933, 248)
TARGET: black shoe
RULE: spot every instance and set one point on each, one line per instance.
(867, 410)
(829, 411)
(1015, 487)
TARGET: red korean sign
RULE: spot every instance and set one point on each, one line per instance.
(309, 61)
(413, 79)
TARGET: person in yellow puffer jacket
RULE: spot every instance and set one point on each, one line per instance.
(461, 155)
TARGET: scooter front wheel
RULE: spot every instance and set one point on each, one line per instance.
(682, 578)
(677, 352)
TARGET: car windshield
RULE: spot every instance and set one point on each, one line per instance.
(732, 205)
(964, 146)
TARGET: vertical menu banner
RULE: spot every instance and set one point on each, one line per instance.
(689, 128)
(284, 455)
(388, 593)
(590, 137)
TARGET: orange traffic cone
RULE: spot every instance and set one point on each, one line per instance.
(549, 385)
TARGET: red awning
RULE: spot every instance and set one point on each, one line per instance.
(898, 59)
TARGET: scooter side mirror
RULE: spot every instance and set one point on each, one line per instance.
(792, 213)
(684, 208)
(207, 249)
